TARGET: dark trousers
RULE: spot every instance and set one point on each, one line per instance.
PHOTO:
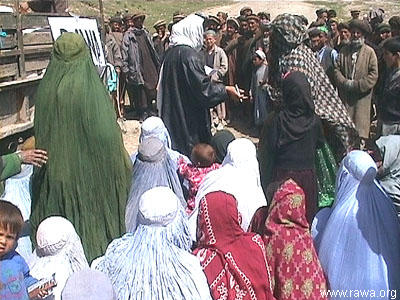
(141, 97)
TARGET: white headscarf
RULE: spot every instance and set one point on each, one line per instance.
(189, 32)
(154, 262)
(239, 176)
(59, 250)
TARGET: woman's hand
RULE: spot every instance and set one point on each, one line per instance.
(235, 93)
(34, 157)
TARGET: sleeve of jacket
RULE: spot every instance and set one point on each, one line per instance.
(125, 53)
(117, 56)
(10, 166)
(338, 75)
(232, 45)
(366, 83)
(223, 68)
(28, 278)
(153, 50)
(208, 93)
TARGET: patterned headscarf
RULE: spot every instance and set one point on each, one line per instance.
(327, 102)
(296, 269)
(287, 32)
(291, 28)
(290, 53)
(377, 15)
(224, 248)
(290, 33)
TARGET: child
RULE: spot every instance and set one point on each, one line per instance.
(14, 276)
(258, 90)
(203, 158)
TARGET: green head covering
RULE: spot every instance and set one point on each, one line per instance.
(323, 29)
(70, 46)
(87, 176)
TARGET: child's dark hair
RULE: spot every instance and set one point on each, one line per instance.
(10, 217)
(203, 155)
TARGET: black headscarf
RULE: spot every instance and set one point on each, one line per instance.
(220, 142)
(297, 116)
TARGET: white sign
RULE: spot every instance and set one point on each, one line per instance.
(85, 27)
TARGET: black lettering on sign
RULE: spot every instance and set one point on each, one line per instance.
(91, 41)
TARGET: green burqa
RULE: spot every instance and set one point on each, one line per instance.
(88, 173)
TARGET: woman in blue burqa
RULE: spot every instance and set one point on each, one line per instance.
(155, 127)
(155, 262)
(357, 239)
(152, 167)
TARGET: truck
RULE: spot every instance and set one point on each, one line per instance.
(26, 45)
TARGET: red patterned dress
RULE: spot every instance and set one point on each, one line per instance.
(234, 261)
(297, 273)
(194, 175)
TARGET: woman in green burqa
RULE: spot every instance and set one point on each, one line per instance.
(88, 173)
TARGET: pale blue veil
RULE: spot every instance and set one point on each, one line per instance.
(152, 168)
(17, 191)
(155, 262)
(358, 238)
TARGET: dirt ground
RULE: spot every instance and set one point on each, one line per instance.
(274, 7)
(132, 133)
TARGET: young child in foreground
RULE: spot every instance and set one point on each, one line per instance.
(203, 161)
(14, 276)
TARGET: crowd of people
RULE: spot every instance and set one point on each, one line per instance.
(310, 212)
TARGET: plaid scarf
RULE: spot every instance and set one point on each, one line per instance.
(327, 102)
(288, 54)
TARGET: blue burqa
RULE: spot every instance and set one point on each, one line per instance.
(358, 239)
